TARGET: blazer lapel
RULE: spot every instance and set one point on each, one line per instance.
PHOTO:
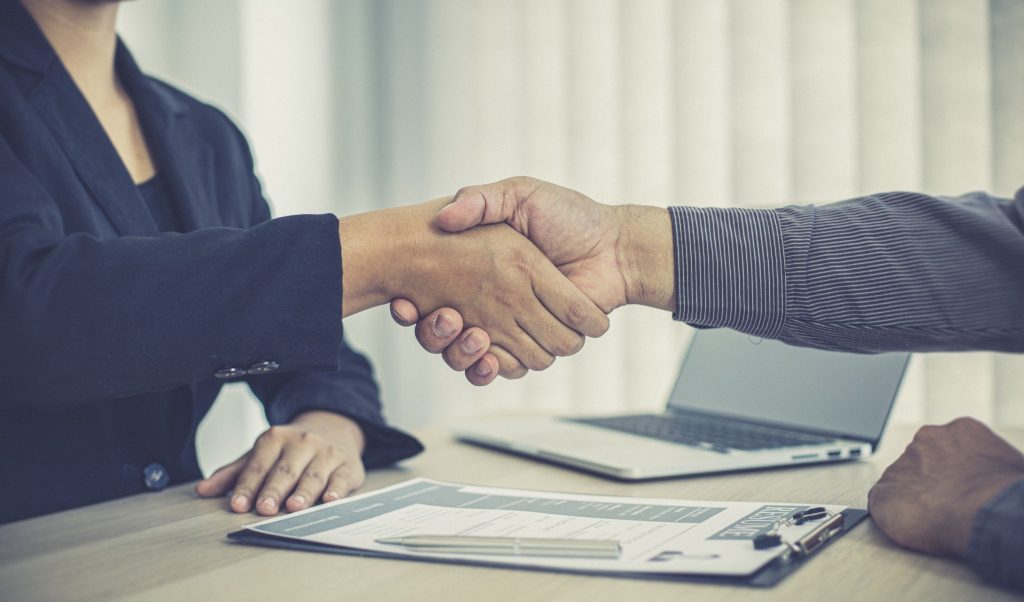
(90, 152)
(182, 154)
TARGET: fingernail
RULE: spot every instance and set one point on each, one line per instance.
(267, 502)
(330, 496)
(482, 369)
(240, 501)
(443, 326)
(472, 344)
(298, 499)
(398, 318)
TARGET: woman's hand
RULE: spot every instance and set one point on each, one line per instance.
(318, 456)
(494, 278)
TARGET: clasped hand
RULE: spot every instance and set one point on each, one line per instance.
(612, 254)
(492, 284)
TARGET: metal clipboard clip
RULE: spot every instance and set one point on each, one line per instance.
(832, 525)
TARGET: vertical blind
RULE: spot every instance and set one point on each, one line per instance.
(353, 105)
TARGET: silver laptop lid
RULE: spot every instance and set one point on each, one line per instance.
(737, 375)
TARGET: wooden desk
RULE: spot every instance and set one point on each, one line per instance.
(171, 545)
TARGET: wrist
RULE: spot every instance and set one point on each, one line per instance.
(370, 259)
(964, 511)
(338, 429)
(645, 255)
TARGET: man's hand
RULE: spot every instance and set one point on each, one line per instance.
(318, 456)
(605, 250)
(491, 278)
(614, 254)
(928, 499)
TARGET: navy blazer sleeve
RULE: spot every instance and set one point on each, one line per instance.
(351, 390)
(87, 319)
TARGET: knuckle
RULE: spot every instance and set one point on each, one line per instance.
(316, 477)
(518, 182)
(569, 345)
(521, 264)
(965, 423)
(574, 315)
(255, 468)
(285, 468)
(310, 437)
(505, 298)
(270, 492)
(515, 372)
(274, 433)
(543, 362)
(926, 433)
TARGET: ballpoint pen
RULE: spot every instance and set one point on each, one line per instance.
(508, 546)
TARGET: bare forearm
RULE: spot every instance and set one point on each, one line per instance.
(370, 251)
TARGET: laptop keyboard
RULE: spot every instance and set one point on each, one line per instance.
(706, 432)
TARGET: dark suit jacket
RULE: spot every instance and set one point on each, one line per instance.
(111, 333)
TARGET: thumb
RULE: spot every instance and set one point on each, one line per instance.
(221, 481)
(464, 212)
(488, 204)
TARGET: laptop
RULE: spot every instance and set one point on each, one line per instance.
(739, 403)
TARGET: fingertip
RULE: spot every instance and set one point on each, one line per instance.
(404, 312)
(295, 503)
(439, 329)
(240, 503)
(484, 371)
(594, 323)
(603, 324)
(467, 348)
(202, 488)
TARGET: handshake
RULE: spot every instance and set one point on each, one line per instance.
(505, 277)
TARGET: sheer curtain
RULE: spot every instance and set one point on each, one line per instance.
(357, 104)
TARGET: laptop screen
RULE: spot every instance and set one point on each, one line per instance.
(734, 374)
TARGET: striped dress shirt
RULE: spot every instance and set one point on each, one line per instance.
(896, 271)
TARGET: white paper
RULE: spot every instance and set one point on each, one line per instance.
(656, 535)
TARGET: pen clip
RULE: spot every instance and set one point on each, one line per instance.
(806, 545)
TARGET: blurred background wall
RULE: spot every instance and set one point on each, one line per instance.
(352, 105)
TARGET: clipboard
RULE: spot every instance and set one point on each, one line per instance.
(767, 576)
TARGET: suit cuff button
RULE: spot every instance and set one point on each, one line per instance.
(263, 367)
(229, 372)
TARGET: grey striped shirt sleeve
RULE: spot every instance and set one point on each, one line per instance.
(996, 550)
(895, 271)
